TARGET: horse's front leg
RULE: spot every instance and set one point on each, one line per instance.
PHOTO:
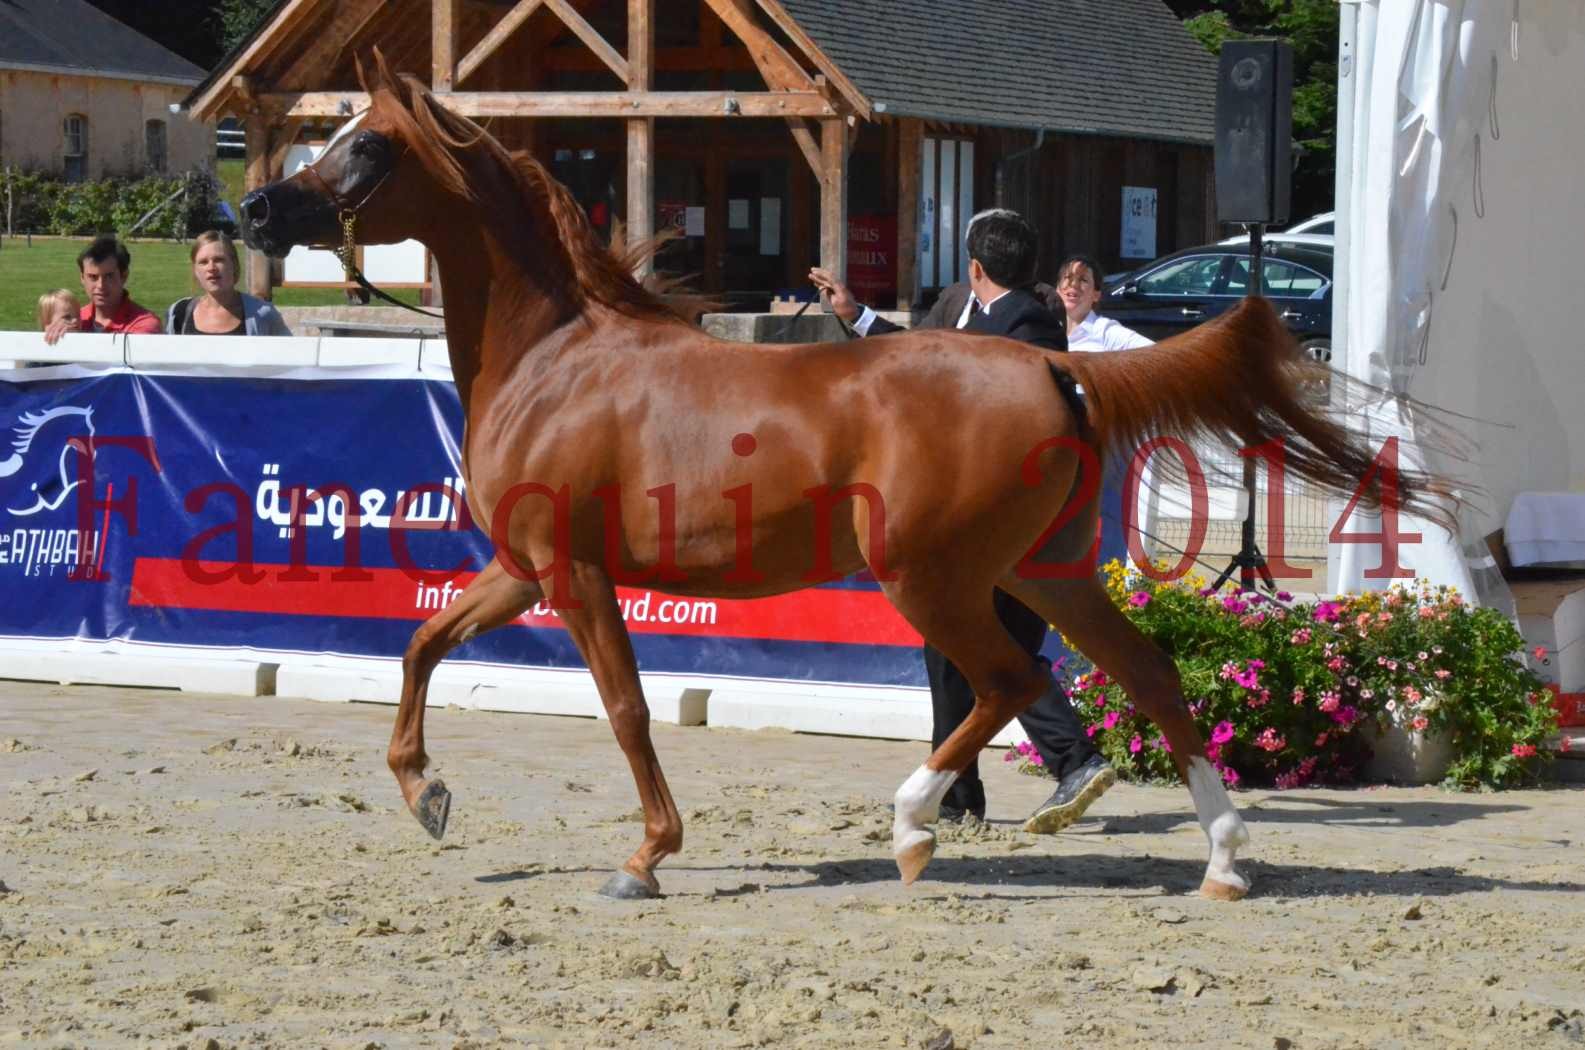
(492, 599)
(601, 636)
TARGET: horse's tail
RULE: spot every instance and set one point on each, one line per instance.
(1240, 380)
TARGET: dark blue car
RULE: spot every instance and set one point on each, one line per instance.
(1180, 290)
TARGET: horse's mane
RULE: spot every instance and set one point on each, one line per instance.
(470, 163)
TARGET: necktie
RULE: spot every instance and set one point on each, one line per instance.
(974, 307)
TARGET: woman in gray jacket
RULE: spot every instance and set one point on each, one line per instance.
(221, 309)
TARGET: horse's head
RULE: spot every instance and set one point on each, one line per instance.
(368, 174)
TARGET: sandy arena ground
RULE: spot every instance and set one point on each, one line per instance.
(189, 870)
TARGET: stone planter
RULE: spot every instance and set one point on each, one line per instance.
(1408, 756)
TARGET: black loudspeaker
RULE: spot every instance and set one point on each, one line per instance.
(1254, 132)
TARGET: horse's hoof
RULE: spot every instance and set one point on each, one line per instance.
(433, 808)
(1216, 890)
(625, 886)
(913, 852)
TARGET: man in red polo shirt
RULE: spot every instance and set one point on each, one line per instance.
(103, 266)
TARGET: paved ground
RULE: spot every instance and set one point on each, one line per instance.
(187, 870)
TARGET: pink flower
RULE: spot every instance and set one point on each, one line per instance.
(1223, 732)
(1384, 617)
(1335, 663)
(1444, 674)
(1300, 637)
(1166, 745)
(1391, 705)
(1213, 751)
(1298, 695)
(1426, 612)
(1320, 741)
(1136, 745)
(1422, 655)
(1111, 719)
(1366, 694)
(1284, 596)
(1381, 661)
(1036, 760)
(1234, 606)
(1139, 599)
(1420, 723)
(1540, 652)
(1270, 741)
(1411, 694)
(1091, 729)
(1346, 716)
(1229, 776)
(1392, 665)
(1011, 756)
(1257, 665)
(1329, 701)
(1524, 750)
(1254, 619)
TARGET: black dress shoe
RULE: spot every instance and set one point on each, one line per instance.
(963, 799)
(1074, 794)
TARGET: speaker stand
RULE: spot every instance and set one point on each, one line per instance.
(1249, 561)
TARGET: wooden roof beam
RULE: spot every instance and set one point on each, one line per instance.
(794, 32)
(324, 53)
(780, 70)
(497, 35)
(590, 36)
(214, 101)
(444, 38)
(576, 104)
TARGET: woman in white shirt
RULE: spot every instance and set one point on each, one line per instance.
(1079, 288)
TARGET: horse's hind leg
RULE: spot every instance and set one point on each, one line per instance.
(492, 599)
(601, 636)
(1081, 610)
(1005, 680)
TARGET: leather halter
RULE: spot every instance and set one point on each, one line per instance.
(347, 218)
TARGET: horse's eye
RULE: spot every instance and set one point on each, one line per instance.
(367, 145)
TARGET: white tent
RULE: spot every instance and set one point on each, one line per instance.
(1461, 144)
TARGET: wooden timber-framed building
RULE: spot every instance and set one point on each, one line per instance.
(779, 134)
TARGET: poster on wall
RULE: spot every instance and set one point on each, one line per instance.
(1139, 222)
(872, 257)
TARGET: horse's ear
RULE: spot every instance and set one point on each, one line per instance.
(357, 65)
(383, 77)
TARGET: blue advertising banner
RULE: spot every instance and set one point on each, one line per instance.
(160, 508)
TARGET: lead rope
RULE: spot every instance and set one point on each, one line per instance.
(348, 254)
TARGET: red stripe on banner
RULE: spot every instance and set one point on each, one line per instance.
(815, 615)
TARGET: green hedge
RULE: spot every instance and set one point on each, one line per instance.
(44, 203)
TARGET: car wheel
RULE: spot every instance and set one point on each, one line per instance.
(1318, 350)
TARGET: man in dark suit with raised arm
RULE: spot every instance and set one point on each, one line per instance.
(997, 300)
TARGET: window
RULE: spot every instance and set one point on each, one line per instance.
(1192, 276)
(946, 203)
(154, 145)
(76, 151)
(1282, 278)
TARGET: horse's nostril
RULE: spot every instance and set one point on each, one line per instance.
(256, 207)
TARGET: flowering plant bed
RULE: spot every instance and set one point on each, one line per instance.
(1291, 693)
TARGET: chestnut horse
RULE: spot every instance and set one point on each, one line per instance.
(597, 418)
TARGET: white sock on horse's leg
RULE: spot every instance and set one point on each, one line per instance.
(1223, 826)
(918, 801)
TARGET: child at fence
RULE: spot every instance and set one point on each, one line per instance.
(60, 305)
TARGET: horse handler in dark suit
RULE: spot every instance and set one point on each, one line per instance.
(999, 298)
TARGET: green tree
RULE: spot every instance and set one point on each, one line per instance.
(236, 19)
(1311, 27)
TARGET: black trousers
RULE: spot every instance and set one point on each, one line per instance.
(1051, 723)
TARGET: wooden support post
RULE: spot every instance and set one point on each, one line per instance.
(256, 175)
(444, 37)
(834, 196)
(910, 146)
(640, 130)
